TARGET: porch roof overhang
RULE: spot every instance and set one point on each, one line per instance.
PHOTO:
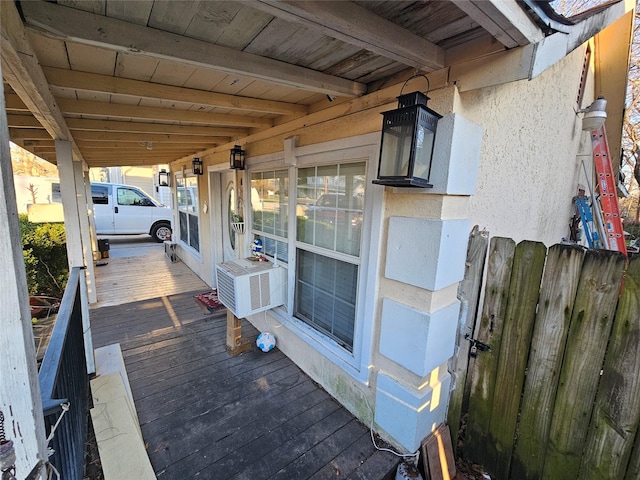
(142, 83)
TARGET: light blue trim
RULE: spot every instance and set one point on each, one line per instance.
(427, 253)
(406, 413)
(456, 156)
(418, 341)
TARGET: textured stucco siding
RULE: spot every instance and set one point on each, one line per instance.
(531, 153)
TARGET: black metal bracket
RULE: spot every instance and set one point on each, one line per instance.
(476, 346)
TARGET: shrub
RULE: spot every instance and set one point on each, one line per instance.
(45, 257)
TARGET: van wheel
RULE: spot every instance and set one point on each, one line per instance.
(161, 232)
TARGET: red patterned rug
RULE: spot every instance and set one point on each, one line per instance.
(209, 302)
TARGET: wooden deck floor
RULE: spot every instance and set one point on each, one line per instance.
(207, 414)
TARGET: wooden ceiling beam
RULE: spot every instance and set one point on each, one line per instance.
(23, 121)
(160, 128)
(20, 68)
(504, 19)
(120, 159)
(91, 82)
(29, 134)
(88, 107)
(35, 143)
(350, 23)
(147, 137)
(82, 27)
(142, 146)
(129, 162)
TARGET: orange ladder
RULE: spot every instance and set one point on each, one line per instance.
(607, 189)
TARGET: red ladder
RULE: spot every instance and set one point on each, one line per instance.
(607, 189)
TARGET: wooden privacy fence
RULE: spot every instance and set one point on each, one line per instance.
(552, 388)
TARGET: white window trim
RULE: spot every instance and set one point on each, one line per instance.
(192, 251)
(364, 147)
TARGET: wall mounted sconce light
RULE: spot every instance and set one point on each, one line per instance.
(408, 136)
(196, 166)
(237, 157)
(163, 178)
(594, 115)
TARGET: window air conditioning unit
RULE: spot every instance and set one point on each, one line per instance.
(246, 287)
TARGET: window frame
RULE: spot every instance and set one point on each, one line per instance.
(195, 212)
(350, 150)
(273, 236)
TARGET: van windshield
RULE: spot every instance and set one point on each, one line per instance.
(130, 196)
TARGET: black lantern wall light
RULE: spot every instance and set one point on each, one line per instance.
(408, 136)
(196, 166)
(163, 178)
(236, 158)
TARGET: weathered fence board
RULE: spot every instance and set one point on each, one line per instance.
(633, 470)
(528, 264)
(590, 327)
(469, 296)
(483, 366)
(559, 285)
(617, 409)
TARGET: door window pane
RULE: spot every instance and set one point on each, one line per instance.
(189, 221)
(270, 212)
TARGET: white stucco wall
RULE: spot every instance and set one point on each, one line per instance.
(529, 171)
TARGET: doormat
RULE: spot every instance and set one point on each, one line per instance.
(209, 302)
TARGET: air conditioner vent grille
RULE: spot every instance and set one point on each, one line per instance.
(226, 290)
(259, 291)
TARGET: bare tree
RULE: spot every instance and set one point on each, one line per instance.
(631, 129)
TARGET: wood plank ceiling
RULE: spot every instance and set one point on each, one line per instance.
(151, 81)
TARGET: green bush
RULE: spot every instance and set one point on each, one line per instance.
(45, 257)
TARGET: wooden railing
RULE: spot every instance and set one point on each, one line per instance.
(64, 384)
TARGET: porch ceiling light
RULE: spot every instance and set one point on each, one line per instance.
(196, 166)
(237, 157)
(408, 136)
(163, 178)
(594, 115)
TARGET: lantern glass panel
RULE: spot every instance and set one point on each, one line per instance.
(424, 150)
(396, 151)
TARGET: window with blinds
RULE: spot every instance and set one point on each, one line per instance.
(327, 229)
(329, 236)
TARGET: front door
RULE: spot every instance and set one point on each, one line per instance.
(229, 202)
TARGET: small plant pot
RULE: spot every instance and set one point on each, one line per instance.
(238, 227)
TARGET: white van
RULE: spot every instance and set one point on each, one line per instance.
(125, 209)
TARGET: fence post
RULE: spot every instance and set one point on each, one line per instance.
(469, 296)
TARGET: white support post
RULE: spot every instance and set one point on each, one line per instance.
(76, 224)
(81, 182)
(69, 195)
(20, 400)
